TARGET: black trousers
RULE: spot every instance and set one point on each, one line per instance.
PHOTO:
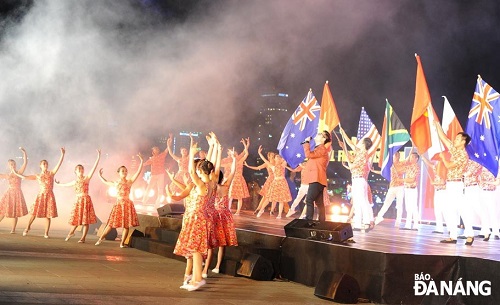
(315, 194)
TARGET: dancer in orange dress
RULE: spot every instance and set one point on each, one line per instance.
(239, 189)
(225, 229)
(278, 191)
(12, 203)
(45, 202)
(269, 180)
(193, 241)
(123, 214)
(182, 162)
(187, 196)
(83, 213)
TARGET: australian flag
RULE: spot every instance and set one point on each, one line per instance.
(483, 126)
(302, 124)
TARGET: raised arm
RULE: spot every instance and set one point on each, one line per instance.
(58, 165)
(229, 179)
(442, 136)
(104, 179)
(25, 161)
(191, 167)
(244, 155)
(92, 171)
(218, 160)
(347, 139)
(139, 169)
(169, 148)
(266, 162)
(179, 184)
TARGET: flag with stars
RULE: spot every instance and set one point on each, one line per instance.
(366, 129)
(483, 126)
(303, 123)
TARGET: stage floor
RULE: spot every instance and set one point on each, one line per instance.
(385, 238)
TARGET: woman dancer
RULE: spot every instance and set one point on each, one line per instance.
(83, 213)
(278, 191)
(189, 204)
(193, 241)
(12, 203)
(225, 231)
(123, 214)
(45, 202)
(182, 162)
(265, 188)
(239, 189)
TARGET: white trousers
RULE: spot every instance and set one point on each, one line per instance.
(454, 196)
(439, 199)
(394, 192)
(488, 210)
(411, 206)
(469, 207)
(363, 212)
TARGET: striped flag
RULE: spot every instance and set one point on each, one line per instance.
(366, 129)
(394, 136)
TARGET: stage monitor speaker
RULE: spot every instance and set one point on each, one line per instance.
(313, 229)
(337, 287)
(169, 209)
(256, 267)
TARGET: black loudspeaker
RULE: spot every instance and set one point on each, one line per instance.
(169, 209)
(256, 267)
(337, 287)
(313, 229)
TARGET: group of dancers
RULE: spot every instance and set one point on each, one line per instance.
(13, 204)
(207, 222)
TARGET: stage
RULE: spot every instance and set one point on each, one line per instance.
(392, 266)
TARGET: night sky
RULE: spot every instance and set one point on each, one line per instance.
(114, 74)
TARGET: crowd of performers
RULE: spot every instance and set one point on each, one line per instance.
(460, 185)
(13, 205)
(208, 184)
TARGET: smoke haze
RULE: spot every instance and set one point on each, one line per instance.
(115, 74)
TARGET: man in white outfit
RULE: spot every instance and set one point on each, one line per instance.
(454, 181)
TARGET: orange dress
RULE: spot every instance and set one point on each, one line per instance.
(45, 202)
(225, 231)
(12, 203)
(196, 225)
(270, 178)
(123, 214)
(238, 188)
(279, 191)
(83, 210)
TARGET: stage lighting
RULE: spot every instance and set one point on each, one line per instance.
(112, 191)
